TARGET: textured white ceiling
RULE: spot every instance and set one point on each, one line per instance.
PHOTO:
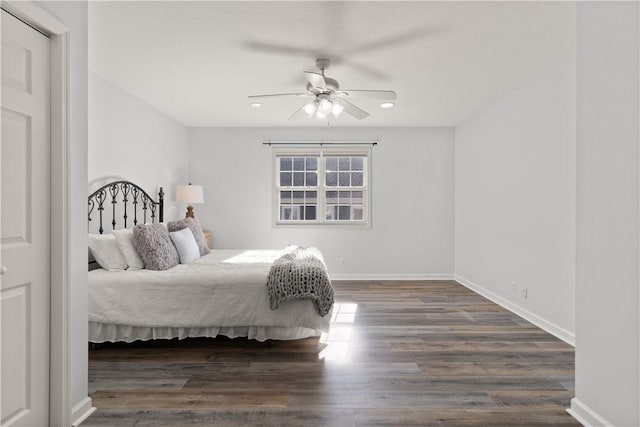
(198, 61)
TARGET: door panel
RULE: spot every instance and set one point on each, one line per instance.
(15, 304)
(15, 228)
(24, 225)
(16, 72)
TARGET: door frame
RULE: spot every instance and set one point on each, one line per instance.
(60, 338)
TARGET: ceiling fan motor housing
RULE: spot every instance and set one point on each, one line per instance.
(331, 85)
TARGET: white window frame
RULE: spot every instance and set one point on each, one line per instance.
(321, 152)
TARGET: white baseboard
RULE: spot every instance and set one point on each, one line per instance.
(81, 411)
(552, 328)
(392, 277)
(585, 415)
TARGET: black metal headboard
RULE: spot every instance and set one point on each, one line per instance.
(121, 194)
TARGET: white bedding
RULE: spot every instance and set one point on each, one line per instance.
(222, 293)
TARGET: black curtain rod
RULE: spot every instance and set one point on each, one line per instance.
(374, 143)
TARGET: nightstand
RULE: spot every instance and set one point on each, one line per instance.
(208, 237)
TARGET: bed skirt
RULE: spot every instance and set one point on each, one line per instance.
(107, 332)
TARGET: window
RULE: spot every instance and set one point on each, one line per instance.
(325, 186)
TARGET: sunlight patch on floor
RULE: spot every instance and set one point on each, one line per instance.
(338, 340)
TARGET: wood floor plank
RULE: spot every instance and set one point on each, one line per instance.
(198, 399)
(223, 418)
(414, 353)
(469, 417)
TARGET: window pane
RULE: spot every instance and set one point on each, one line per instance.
(312, 163)
(298, 197)
(286, 163)
(298, 179)
(343, 164)
(285, 212)
(331, 213)
(357, 163)
(285, 179)
(312, 179)
(345, 197)
(310, 213)
(344, 212)
(356, 179)
(298, 163)
(332, 179)
(344, 179)
(332, 163)
(357, 213)
(356, 197)
(311, 197)
(300, 212)
(332, 197)
(285, 197)
(297, 212)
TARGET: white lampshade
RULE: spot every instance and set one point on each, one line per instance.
(189, 194)
(325, 106)
(310, 108)
(338, 108)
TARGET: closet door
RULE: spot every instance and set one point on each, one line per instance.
(25, 225)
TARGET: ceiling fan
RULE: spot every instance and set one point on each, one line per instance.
(326, 99)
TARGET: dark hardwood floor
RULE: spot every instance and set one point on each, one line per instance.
(420, 353)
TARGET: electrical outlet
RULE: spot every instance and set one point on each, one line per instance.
(514, 287)
(342, 261)
(524, 293)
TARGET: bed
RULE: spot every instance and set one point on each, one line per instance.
(221, 293)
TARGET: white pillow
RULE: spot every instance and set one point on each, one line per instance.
(186, 245)
(106, 252)
(124, 240)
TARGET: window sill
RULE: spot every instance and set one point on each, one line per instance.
(344, 225)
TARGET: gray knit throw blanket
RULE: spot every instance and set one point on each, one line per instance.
(300, 273)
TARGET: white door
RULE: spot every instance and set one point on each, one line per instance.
(25, 228)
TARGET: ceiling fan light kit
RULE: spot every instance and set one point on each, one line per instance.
(310, 108)
(337, 109)
(325, 106)
(327, 98)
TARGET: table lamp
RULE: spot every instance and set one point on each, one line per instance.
(191, 195)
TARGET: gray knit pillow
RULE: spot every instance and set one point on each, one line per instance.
(154, 245)
(196, 229)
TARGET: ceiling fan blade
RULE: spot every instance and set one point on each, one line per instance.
(299, 112)
(391, 41)
(387, 95)
(354, 111)
(368, 70)
(276, 48)
(316, 80)
(276, 95)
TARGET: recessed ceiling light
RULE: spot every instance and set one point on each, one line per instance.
(256, 104)
(387, 105)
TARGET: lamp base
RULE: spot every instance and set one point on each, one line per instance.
(189, 213)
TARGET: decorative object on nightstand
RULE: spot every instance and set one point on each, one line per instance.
(191, 195)
(208, 237)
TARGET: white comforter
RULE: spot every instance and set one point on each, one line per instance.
(225, 289)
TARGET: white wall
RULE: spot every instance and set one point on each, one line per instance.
(74, 16)
(412, 198)
(132, 140)
(608, 216)
(515, 200)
